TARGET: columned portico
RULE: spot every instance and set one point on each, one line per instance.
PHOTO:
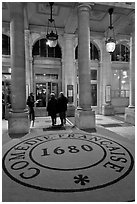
(18, 124)
(84, 116)
(130, 111)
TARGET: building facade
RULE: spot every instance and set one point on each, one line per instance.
(79, 66)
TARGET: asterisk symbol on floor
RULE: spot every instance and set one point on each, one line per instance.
(81, 179)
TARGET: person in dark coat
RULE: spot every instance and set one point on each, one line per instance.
(62, 107)
(52, 108)
(30, 103)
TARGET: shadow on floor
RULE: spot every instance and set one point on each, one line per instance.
(55, 127)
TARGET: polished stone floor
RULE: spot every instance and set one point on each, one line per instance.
(65, 164)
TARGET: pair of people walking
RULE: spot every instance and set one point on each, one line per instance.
(57, 106)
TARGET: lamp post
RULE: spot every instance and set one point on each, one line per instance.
(110, 39)
(51, 36)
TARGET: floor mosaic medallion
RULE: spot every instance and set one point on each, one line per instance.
(67, 162)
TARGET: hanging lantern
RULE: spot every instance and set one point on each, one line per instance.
(110, 39)
(52, 36)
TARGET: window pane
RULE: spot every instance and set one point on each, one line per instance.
(43, 47)
(94, 94)
(76, 53)
(51, 51)
(117, 52)
(96, 54)
(115, 79)
(91, 51)
(120, 83)
(5, 45)
(42, 77)
(93, 74)
(55, 89)
(124, 80)
(52, 87)
(49, 90)
(113, 56)
(127, 55)
(35, 50)
(41, 94)
(58, 51)
(123, 52)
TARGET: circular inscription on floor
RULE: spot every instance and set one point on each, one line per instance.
(67, 162)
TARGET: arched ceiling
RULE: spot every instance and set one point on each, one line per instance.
(65, 16)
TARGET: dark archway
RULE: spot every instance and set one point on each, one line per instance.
(41, 49)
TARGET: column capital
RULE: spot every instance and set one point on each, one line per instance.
(31, 59)
(27, 33)
(69, 36)
(86, 6)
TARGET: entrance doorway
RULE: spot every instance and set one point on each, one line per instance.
(43, 91)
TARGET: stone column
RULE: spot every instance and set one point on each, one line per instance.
(32, 75)
(130, 111)
(69, 72)
(105, 67)
(84, 116)
(18, 123)
(31, 64)
(27, 62)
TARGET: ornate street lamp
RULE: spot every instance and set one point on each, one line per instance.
(52, 36)
(110, 39)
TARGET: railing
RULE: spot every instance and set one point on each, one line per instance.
(119, 93)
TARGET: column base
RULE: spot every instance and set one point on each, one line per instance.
(107, 109)
(85, 119)
(18, 124)
(130, 115)
(71, 110)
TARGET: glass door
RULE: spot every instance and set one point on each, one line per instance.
(52, 88)
(43, 91)
(94, 94)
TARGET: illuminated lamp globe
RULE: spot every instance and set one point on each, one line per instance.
(52, 39)
(110, 45)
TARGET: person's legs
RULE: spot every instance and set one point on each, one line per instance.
(55, 119)
(52, 118)
(33, 116)
(64, 117)
(61, 118)
(30, 114)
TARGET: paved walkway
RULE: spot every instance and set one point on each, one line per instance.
(65, 164)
